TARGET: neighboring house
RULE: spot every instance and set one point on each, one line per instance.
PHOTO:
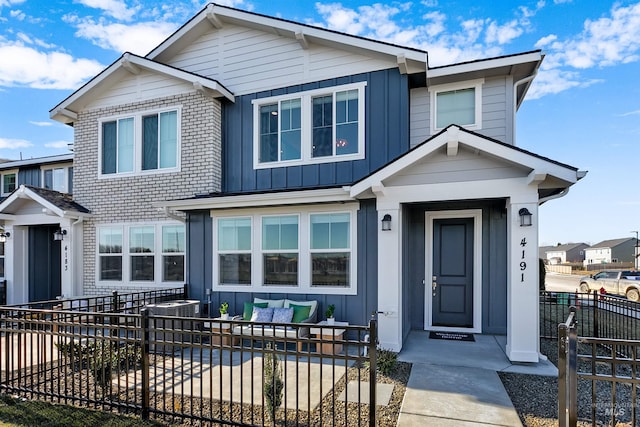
(50, 180)
(253, 156)
(615, 250)
(567, 253)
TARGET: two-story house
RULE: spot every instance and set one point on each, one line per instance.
(251, 156)
(567, 253)
(614, 250)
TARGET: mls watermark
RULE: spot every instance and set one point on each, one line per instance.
(618, 409)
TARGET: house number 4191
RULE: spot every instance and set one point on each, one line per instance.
(523, 265)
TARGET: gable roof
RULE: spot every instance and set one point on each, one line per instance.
(542, 168)
(54, 202)
(565, 248)
(128, 63)
(216, 16)
(612, 243)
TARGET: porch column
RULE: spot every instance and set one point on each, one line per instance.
(389, 278)
(523, 316)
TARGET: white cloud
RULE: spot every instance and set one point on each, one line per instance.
(552, 81)
(26, 66)
(503, 34)
(630, 113)
(136, 38)
(4, 3)
(13, 144)
(115, 8)
(43, 124)
(58, 144)
(17, 14)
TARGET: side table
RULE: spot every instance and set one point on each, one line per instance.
(218, 327)
(330, 335)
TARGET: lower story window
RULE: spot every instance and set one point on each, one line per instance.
(155, 253)
(302, 251)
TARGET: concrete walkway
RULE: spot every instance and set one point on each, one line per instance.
(455, 383)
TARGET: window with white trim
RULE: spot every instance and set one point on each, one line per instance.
(458, 104)
(234, 251)
(58, 178)
(9, 182)
(140, 143)
(280, 250)
(141, 253)
(311, 249)
(317, 126)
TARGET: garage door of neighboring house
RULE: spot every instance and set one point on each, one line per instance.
(44, 263)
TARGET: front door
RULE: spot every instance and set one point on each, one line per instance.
(44, 264)
(451, 288)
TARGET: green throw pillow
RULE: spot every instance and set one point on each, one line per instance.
(300, 312)
(248, 309)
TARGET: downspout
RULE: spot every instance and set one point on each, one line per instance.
(553, 196)
(515, 100)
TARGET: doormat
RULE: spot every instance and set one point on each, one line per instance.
(453, 336)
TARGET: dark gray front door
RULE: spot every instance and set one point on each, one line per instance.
(453, 272)
(44, 263)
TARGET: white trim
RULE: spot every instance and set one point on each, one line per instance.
(137, 142)
(276, 198)
(470, 84)
(306, 138)
(484, 65)
(511, 154)
(53, 168)
(23, 192)
(158, 254)
(476, 214)
(304, 261)
(2, 175)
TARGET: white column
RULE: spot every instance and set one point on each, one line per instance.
(523, 323)
(390, 279)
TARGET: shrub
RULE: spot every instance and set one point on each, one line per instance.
(273, 382)
(542, 273)
(386, 361)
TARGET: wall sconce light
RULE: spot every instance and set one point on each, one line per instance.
(525, 217)
(59, 234)
(386, 222)
(4, 235)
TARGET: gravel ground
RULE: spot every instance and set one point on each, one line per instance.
(535, 398)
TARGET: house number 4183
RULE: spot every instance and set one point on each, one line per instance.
(523, 265)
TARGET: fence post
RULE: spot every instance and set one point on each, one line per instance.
(115, 308)
(144, 334)
(373, 343)
(562, 375)
(596, 308)
(573, 372)
(186, 291)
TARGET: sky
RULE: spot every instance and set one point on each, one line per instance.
(583, 108)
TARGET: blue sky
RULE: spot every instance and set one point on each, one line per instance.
(583, 109)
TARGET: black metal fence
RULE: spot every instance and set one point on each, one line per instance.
(597, 377)
(191, 369)
(597, 315)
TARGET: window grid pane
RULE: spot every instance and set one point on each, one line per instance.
(269, 133)
(322, 126)
(168, 139)
(125, 145)
(280, 269)
(8, 183)
(235, 269)
(150, 142)
(234, 234)
(290, 127)
(330, 231)
(330, 269)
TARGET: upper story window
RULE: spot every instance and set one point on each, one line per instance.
(58, 178)
(458, 104)
(140, 143)
(8, 182)
(318, 126)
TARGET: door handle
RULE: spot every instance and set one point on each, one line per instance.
(434, 285)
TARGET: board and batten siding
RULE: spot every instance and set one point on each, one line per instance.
(30, 176)
(247, 60)
(494, 263)
(497, 114)
(466, 166)
(386, 137)
(355, 309)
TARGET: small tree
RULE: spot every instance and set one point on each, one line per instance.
(542, 273)
(273, 381)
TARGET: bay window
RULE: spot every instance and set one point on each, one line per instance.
(317, 126)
